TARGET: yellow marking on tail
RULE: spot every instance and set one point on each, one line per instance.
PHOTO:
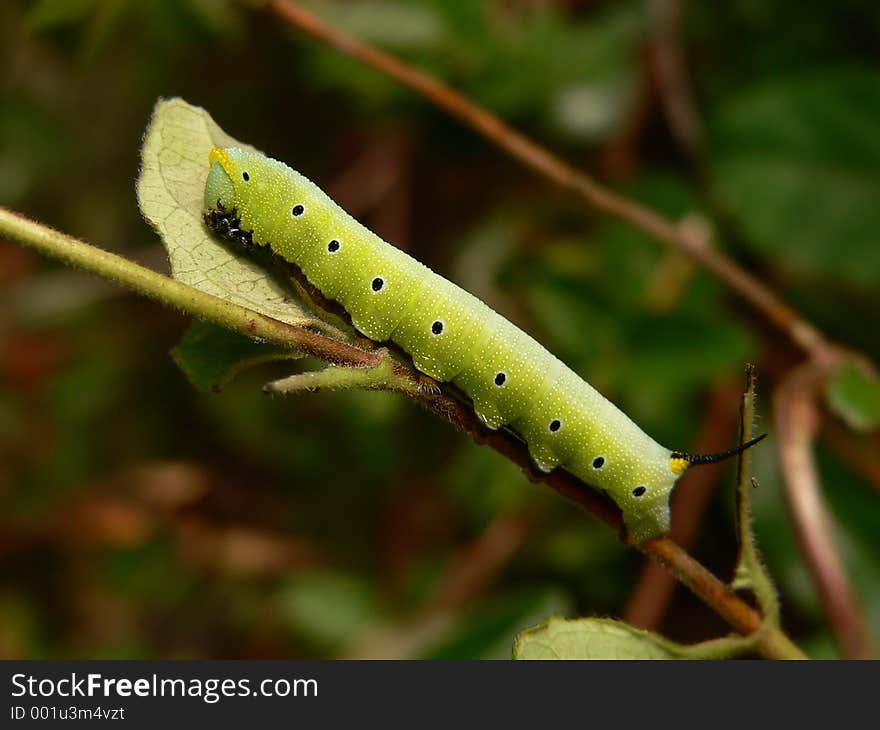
(678, 466)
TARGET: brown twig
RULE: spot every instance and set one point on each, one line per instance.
(797, 421)
(671, 76)
(480, 562)
(407, 380)
(858, 450)
(468, 574)
(529, 153)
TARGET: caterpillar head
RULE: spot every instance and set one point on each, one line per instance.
(220, 192)
(247, 194)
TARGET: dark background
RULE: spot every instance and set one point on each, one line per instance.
(140, 518)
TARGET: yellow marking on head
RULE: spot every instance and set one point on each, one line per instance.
(218, 154)
(678, 465)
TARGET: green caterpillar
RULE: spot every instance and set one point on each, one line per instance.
(450, 335)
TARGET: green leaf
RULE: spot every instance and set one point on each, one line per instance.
(170, 190)
(211, 356)
(602, 638)
(797, 161)
(854, 395)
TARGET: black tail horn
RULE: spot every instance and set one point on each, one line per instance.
(695, 459)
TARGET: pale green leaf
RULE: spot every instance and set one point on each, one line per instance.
(601, 638)
(170, 189)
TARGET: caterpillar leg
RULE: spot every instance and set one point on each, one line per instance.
(542, 466)
(536, 472)
(427, 384)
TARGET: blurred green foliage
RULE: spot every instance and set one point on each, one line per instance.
(142, 518)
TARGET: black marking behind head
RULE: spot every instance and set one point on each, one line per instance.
(695, 459)
(226, 225)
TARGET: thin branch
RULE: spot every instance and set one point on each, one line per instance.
(475, 566)
(672, 78)
(750, 571)
(773, 644)
(797, 422)
(859, 451)
(532, 155)
(192, 301)
(335, 378)
(467, 575)
(705, 585)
